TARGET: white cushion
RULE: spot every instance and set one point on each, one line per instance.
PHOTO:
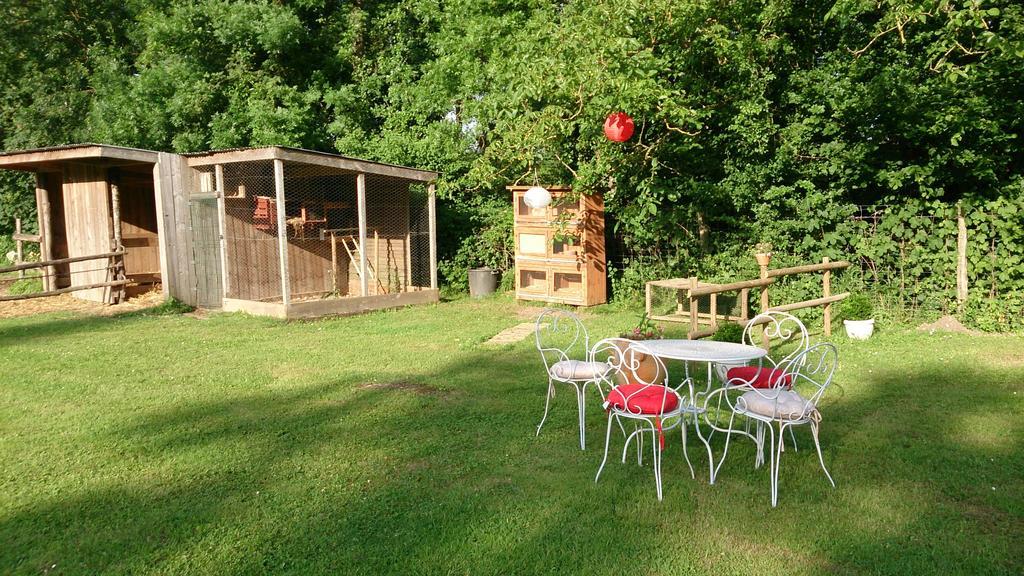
(775, 403)
(579, 370)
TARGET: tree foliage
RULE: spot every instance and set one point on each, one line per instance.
(755, 120)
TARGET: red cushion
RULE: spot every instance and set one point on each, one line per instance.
(643, 399)
(760, 377)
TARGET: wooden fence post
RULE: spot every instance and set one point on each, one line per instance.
(693, 308)
(744, 305)
(961, 257)
(765, 342)
(826, 291)
(18, 247)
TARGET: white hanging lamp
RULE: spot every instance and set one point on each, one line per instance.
(537, 197)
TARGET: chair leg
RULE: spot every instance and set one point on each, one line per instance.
(656, 449)
(792, 437)
(547, 403)
(682, 426)
(607, 439)
(759, 441)
(817, 446)
(581, 395)
(776, 461)
(728, 436)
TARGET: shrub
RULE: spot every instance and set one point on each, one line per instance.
(858, 307)
(729, 332)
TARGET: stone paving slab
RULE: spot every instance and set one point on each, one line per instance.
(511, 335)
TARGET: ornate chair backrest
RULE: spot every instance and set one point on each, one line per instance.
(782, 329)
(560, 336)
(812, 371)
(630, 363)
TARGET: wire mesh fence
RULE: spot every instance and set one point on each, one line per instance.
(319, 221)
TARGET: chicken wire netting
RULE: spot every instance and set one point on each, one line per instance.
(250, 232)
(320, 216)
(668, 299)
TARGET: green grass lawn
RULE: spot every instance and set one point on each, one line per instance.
(394, 442)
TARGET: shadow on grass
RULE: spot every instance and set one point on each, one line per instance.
(442, 473)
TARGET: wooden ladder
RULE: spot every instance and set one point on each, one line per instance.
(351, 245)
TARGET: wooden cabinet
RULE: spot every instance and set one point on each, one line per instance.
(560, 254)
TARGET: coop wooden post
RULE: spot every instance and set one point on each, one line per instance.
(18, 247)
(765, 342)
(408, 261)
(376, 261)
(282, 231)
(826, 291)
(218, 171)
(647, 298)
(117, 271)
(432, 217)
(334, 263)
(45, 231)
(693, 308)
(364, 286)
(961, 257)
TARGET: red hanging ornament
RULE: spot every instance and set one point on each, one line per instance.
(618, 127)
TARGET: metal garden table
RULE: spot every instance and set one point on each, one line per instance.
(710, 353)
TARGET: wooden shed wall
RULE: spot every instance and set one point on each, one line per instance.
(87, 224)
(139, 228)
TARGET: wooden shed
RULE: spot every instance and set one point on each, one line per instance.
(275, 231)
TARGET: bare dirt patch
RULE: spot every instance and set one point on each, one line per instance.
(947, 324)
(68, 303)
(404, 385)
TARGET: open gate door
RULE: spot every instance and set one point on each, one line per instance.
(209, 288)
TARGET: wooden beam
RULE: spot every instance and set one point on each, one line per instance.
(18, 237)
(733, 286)
(351, 165)
(19, 255)
(698, 334)
(364, 284)
(45, 230)
(356, 305)
(809, 303)
(808, 268)
(693, 310)
(826, 291)
(961, 257)
(218, 171)
(59, 291)
(84, 152)
(432, 223)
(282, 231)
(164, 218)
(47, 263)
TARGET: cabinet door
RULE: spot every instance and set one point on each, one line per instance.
(533, 242)
(526, 214)
(532, 281)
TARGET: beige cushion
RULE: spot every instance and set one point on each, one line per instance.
(775, 403)
(579, 370)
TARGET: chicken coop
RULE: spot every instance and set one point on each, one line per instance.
(274, 231)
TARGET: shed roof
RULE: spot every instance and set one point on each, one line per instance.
(41, 159)
(304, 156)
(49, 157)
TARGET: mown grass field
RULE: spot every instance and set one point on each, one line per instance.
(394, 443)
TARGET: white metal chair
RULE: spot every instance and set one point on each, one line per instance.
(638, 390)
(559, 335)
(810, 374)
(781, 329)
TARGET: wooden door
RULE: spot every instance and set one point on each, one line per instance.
(209, 289)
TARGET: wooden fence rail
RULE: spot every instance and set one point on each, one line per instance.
(694, 289)
(48, 265)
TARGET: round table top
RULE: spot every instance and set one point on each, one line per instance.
(704, 350)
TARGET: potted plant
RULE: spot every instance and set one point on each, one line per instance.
(857, 313)
(647, 369)
(763, 253)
